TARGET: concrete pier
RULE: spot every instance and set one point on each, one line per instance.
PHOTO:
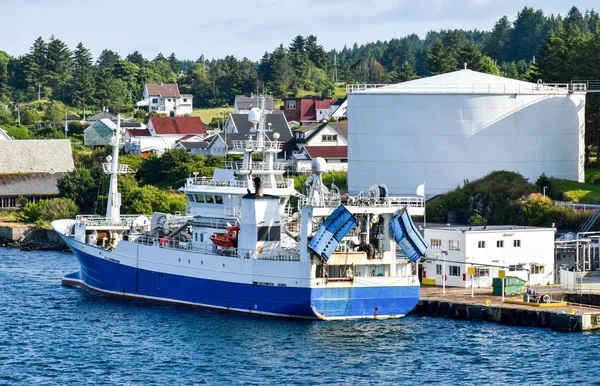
(457, 303)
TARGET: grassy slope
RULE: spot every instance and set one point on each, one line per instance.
(585, 193)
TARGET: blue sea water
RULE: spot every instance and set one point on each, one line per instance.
(54, 335)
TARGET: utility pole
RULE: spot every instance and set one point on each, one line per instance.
(66, 124)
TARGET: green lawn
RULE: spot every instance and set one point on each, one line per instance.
(207, 115)
(576, 192)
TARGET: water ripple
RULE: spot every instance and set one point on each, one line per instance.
(55, 335)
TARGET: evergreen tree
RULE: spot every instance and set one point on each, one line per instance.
(58, 63)
(593, 22)
(440, 60)
(527, 35)
(136, 58)
(35, 64)
(497, 42)
(575, 19)
(298, 45)
(4, 76)
(160, 58)
(82, 83)
(107, 59)
(174, 63)
(316, 53)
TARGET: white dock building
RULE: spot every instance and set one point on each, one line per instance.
(516, 249)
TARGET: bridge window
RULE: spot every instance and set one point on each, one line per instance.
(191, 197)
(200, 198)
(209, 198)
(269, 233)
(218, 199)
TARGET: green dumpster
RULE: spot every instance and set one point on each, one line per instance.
(512, 286)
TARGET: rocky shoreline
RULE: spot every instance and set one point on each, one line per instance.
(31, 239)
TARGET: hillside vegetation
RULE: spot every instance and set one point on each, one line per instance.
(507, 198)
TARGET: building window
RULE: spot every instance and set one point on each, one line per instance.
(482, 272)
(436, 244)
(290, 105)
(196, 236)
(537, 269)
(185, 99)
(517, 243)
(169, 100)
(481, 244)
(201, 237)
(517, 267)
(500, 244)
(329, 138)
(154, 100)
(344, 160)
(438, 269)
(454, 245)
(454, 270)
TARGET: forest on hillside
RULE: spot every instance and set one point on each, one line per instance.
(533, 46)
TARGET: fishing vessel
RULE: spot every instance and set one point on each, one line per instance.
(241, 245)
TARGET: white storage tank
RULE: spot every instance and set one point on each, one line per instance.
(460, 126)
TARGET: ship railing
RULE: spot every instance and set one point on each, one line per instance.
(257, 166)
(253, 144)
(176, 244)
(95, 220)
(471, 88)
(372, 202)
(208, 181)
(121, 169)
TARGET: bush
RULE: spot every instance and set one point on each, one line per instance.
(31, 212)
(58, 208)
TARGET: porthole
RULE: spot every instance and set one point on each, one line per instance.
(223, 265)
(189, 261)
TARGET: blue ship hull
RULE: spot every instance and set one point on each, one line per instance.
(113, 278)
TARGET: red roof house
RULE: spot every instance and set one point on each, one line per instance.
(306, 110)
(177, 126)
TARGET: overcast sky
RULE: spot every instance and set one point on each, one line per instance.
(243, 27)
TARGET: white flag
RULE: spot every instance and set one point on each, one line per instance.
(421, 190)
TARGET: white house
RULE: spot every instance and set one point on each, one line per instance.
(516, 249)
(166, 98)
(328, 140)
(213, 145)
(163, 133)
(339, 108)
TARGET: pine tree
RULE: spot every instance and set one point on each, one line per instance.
(316, 53)
(82, 82)
(136, 58)
(58, 64)
(174, 63)
(497, 42)
(159, 58)
(35, 64)
(440, 60)
(575, 19)
(527, 35)
(107, 59)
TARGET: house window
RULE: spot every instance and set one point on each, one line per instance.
(482, 272)
(454, 245)
(481, 244)
(169, 100)
(518, 267)
(185, 99)
(454, 270)
(154, 100)
(290, 105)
(517, 243)
(500, 244)
(537, 269)
(329, 138)
(344, 160)
(436, 244)
(438, 269)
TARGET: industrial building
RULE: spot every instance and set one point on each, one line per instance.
(462, 125)
(524, 252)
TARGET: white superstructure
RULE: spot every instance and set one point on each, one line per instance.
(461, 126)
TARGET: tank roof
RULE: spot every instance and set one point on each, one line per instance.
(465, 82)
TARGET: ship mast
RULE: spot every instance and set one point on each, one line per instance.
(112, 167)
